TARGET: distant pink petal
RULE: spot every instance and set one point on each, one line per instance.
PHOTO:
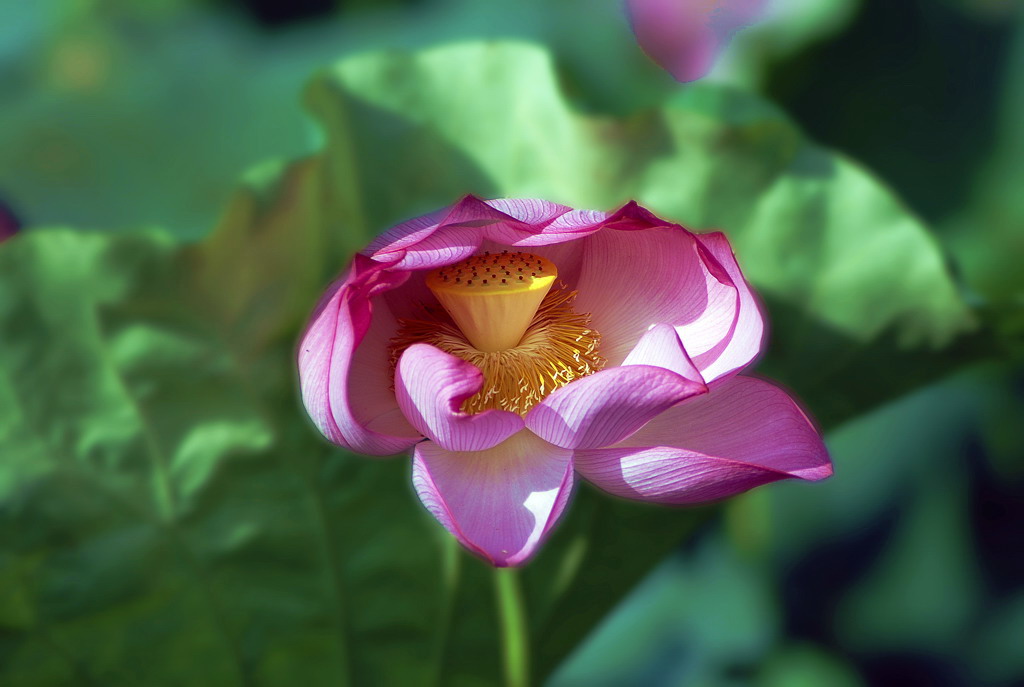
(8, 222)
(608, 406)
(685, 36)
(661, 347)
(431, 386)
(744, 343)
(499, 503)
(632, 279)
(343, 365)
(743, 433)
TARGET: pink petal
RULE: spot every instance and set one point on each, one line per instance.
(685, 36)
(343, 368)
(543, 223)
(632, 278)
(431, 386)
(529, 211)
(661, 347)
(437, 239)
(740, 348)
(745, 432)
(409, 233)
(455, 233)
(499, 503)
(445, 246)
(634, 216)
(608, 406)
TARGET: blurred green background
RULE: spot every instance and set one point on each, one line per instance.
(188, 175)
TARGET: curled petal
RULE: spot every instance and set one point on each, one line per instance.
(608, 406)
(431, 386)
(437, 239)
(685, 36)
(403, 236)
(541, 223)
(661, 347)
(634, 216)
(440, 248)
(631, 279)
(343, 353)
(744, 433)
(455, 233)
(499, 503)
(747, 336)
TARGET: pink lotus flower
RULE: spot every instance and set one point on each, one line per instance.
(516, 344)
(685, 36)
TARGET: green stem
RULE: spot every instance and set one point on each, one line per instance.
(515, 639)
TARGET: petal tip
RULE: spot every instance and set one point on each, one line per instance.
(815, 473)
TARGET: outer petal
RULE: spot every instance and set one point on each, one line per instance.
(608, 406)
(431, 386)
(499, 503)
(744, 433)
(632, 278)
(685, 36)
(747, 336)
(345, 348)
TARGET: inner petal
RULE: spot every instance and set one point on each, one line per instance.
(631, 280)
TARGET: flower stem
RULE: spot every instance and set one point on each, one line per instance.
(515, 640)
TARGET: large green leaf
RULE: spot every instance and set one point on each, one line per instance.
(83, 94)
(164, 525)
(986, 231)
(165, 521)
(169, 515)
(856, 287)
(114, 127)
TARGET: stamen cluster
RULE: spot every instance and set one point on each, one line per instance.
(558, 347)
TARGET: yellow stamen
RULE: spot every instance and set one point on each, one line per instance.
(493, 297)
(557, 348)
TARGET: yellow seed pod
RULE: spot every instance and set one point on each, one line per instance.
(493, 297)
